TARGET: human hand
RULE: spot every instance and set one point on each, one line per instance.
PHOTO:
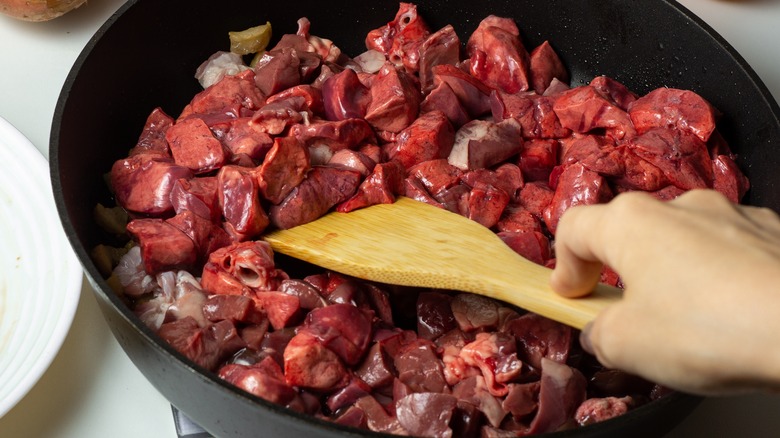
(701, 304)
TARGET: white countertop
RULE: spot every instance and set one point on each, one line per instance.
(93, 390)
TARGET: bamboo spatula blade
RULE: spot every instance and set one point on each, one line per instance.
(410, 243)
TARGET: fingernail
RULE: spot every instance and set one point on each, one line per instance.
(585, 338)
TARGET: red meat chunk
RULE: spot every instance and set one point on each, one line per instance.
(540, 338)
(264, 380)
(517, 219)
(538, 158)
(206, 346)
(194, 146)
(484, 204)
(596, 153)
(245, 140)
(163, 246)
(426, 414)
(443, 98)
(576, 185)
(673, 108)
(250, 263)
(441, 47)
(143, 183)
(545, 65)
(596, 410)
(283, 169)
(475, 312)
(400, 39)
(533, 245)
(536, 114)
(616, 91)
(206, 235)
(235, 308)
(197, 195)
(343, 134)
(497, 57)
(395, 100)
(232, 95)
(343, 328)
(419, 367)
(434, 315)
(728, 178)
(377, 368)
(273, 118)
(344, 97)
(380, 187)
(323, 188)
(309, 364)
(239, 198)
(429, 137)
(278, 69)
(152, 138)
(481, 144)
(471, 93)
(535, 197)
(473, 390)
(283, 310)
(584, 109)
(682, 157)
(562, 390)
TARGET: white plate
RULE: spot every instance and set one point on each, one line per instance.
(40, 276)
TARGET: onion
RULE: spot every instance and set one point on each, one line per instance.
(38, 10)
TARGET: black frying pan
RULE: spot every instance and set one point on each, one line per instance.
(146, 54)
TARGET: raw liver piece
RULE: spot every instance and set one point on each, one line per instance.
(673, 108)
(260, 381)
(143, 183)
(497, 57)
(197, 195)
(728, 178)
(681, 156)
(395, 100)
(532, 245)
(344, 97)
(380, 187)
(283, 168)
(323, 188)
(576, 185)
(535, 113)
(538, 158)
(343, 328)
(245, 139)
(232, 96)
(443, 98)
(441, 47)
(562, 390)
(584, 109)
(274, 118)
(426, 414)
(595, 410)
(240, 201)
(472, 94)
(480, 144)
(540, 338)
(309, 364)
(343, 134)
(152, 138)
(616, 91)
(194, 146)
(544, 65)
(163, 246)
(431, 136)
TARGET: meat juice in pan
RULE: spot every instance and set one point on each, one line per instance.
(486, 129)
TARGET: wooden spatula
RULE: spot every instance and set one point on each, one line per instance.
(415, 244)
